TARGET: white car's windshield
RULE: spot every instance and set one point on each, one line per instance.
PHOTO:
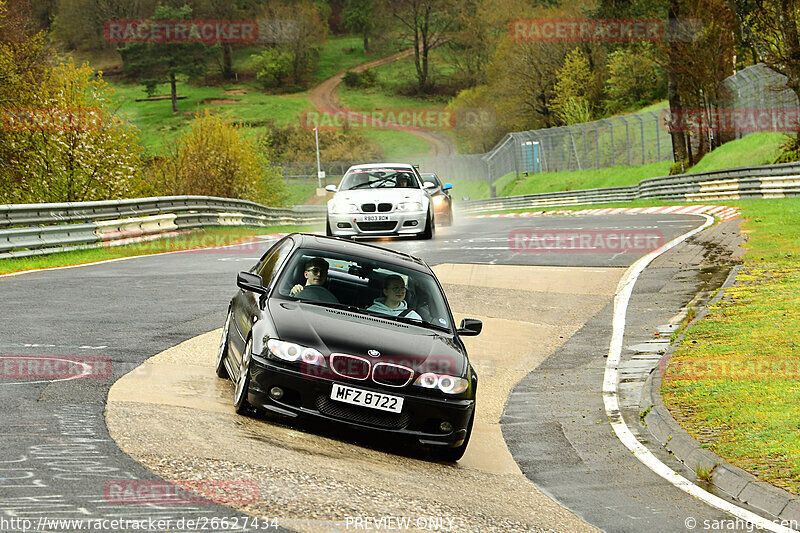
(374, 178)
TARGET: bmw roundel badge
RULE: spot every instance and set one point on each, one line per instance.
(374, 353)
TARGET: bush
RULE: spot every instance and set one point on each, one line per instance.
(273, 67)
(679, 167)
(295, 143)
(216, 158)
(365, 79)
(791, 151)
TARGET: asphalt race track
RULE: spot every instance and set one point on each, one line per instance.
(58, 460)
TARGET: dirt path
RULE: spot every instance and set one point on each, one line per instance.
(323, 97)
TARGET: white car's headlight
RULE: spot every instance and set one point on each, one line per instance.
(289, 351)
(409, 206)
(446, 384)
(343, 208)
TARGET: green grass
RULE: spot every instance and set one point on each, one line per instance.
(754, 149)
(584, 179)
(201, 238)
(159, 126)
(340, 53)
(733, 381)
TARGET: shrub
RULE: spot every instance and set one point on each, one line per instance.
(364, 79)
(216, 158)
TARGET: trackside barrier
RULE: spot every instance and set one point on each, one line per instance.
(768, 181)
(36, 229)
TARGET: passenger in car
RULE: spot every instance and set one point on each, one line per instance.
(315, 272)
(393, 300)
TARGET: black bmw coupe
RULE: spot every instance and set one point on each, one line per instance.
(353, 334)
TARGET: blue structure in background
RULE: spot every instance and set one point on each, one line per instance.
(530, 157)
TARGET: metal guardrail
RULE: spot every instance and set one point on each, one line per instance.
(768, 181)
(35, 229)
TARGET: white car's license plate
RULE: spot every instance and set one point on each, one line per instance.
(374, 218)
(375, 400)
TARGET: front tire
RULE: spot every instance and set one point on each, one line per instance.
(240, 403)
(328, 230)
(223, 349)
(428, 232)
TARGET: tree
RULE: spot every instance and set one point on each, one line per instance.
(570, 102)
(228, 10)
(425, 24)
(215, 157)
(696, 64)
(69, 146)
(471, 41)
(156, 63)
(79, 23)
(635, 78)
(771, 28)
(301, 41)
(358, 17)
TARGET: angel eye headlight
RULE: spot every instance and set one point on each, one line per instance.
(289, 351)
(310, 356)
(446, 384)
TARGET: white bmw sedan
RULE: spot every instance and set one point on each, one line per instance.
(381, 199)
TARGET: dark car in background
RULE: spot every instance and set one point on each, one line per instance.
(316, 331)
(442, 202)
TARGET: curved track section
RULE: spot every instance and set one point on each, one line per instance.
(547, 320)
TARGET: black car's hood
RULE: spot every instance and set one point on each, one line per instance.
(332, 330)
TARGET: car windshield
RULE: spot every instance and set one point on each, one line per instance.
(374, 178)
(364, 286)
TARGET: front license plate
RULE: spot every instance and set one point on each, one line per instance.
(374, 218)
(375, 400)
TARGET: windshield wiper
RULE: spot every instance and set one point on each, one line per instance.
(371, 183)
(335, 305)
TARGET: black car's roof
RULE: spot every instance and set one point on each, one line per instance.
(365, 251)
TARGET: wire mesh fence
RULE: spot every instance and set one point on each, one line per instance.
(758, 99)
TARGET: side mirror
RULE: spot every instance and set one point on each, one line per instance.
(330, 188)
(447, 186)
(429, 185)
(251, 282)
(470, 327)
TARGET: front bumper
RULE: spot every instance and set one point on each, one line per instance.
(308, 396)
(396, 223)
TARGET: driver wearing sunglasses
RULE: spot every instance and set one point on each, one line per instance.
(315, 272)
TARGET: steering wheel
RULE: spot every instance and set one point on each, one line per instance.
(317, 293)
